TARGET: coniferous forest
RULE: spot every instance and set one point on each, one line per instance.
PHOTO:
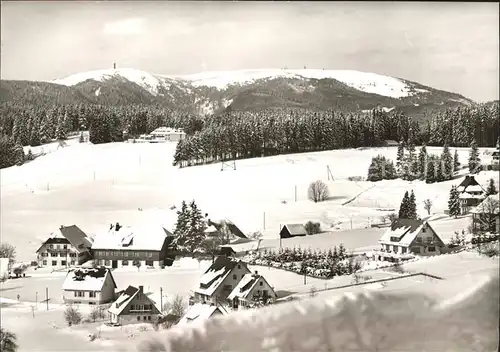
(241, 134)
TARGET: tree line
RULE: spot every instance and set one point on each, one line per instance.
(244, 134)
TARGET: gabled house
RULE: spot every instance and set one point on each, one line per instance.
(406, 237)
(122, 246)
(252, 290)
(200, 312)
(68, 246)
(219, 280)
(92, 286)
(486, 216)
(292, 230)
(471, 194)
(134, 306)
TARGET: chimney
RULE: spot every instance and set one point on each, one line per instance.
(62, 227)
(118, 226)
(116, 305)
(256, 273)
(114, 65)
(141, 289)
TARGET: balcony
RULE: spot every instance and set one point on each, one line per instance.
(144, 310)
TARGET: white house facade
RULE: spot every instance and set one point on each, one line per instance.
(89, 286)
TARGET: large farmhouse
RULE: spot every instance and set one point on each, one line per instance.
(252, 290)
(220, 279)
(134, 306)
(163, 134)
(126, 246)
(92, 286)
(471, 194)
(406, 237)
(68, 246)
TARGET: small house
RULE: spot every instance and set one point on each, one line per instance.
(167, 134)
(390, 143)
(406, 237)
(486, 216)
(68, 246)
(92, 286)
(220, 279)
(134, 306)
(200, 312)
(253, 290)
(293, 230)
(471, 194)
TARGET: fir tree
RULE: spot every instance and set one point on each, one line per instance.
(412, 207)
(44, 130)
(61, 129)
(182, 220)
(447, 163)
(456, 162)
(195, 234)
(422, 161)
(404, 207)
(491, 190)
(400, 158)
(19, 153)
(454, 202)
(430, 173)
(474, 161)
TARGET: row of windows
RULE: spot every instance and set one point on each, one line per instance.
(92, 294)
(145, 318)
(122, 254)
(58, 246)
(52, 254)
(125, 262)
(141, 307)
(54, 262)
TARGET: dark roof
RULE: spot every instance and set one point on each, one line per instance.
(76, 237)
(230, 225)
(468, 181)
(222, 262)
(412, 223)
(53, 240)
(296, 229)
(250, 283)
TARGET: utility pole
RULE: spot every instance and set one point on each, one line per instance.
(47, 296)
(305, 278)
(264, 219)
(161, 299)
(295, 193)
(94, 175)
(36, 299)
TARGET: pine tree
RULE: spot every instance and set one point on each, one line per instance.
(422, 161)
(196, 226)
(474, 161)
(456, 162)
(400, 158)
(491, 190)
(412, 207)
(454, 202)
(447, 163)
(404, 207)
(182, 220)
(430, 172)
(44, 130)
(61, 129)
(19, 153)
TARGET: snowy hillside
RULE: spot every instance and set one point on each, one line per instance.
(367, 82)
(149, 82)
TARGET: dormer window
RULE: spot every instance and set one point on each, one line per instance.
(239, 266)
(424, 230)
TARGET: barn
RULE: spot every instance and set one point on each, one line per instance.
(293, 230)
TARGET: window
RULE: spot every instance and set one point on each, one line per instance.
(432, 249)
(234, 277)
(416, 249)
(149, 317)
(106, 262)
(54, 262)
(150, 254)
(63, 262)
(53, 254)
(424, 230)
(92, 294)
(261, 283)
(125, 254)
(57, 246)
(429, 239)
(51, 246)
(149, 263)
(419, 239)
(137, 254)
(44, 262)
(107, 254)
(124, 262)
(72, 262)
(395, 249)
(144, 318)
(65, 246)
(45, 254)
(239, 266)
(387, 247)
(79, 294)
(62, 254)
(72, 255)
(138, 318)
(132, 307)
(403, 250)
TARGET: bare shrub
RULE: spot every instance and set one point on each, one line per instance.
(313, 292)
(428, 206)
(174, 310)
(312, 228)
(8, 251)
(392, 217)
(318, 191)
(97, 313)
(72, 315)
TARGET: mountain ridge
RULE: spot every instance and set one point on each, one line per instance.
(210, 92)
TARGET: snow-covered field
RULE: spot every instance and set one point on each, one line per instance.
(135, 184)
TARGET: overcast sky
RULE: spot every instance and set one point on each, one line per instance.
(450, 46)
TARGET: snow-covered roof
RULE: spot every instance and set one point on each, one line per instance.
(211, 229)
(144, 238)
(296, 229)
(467, 195)
(199, 312)
(245, 286)
(163, 130)
(126, 298)
(215, 275)
(87, 279)
(406, 230)
(489, 206)
(469, 184)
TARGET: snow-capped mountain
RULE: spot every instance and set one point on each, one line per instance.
(208, 92)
